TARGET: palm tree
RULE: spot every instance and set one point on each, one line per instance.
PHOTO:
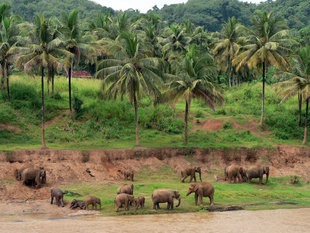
(131, 71)
(43, 52)
(194, 80)
(76, 43)
(8, 41)
(298, 82)
(267, 44)
(228, 45)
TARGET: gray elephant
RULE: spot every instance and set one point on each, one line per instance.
(94, 201)
(125, 188)
(123, 199)
(257, 171)
(191, 171)
(58, 194)
(202, 190)
(77, 204)
(33, 176)
(18, 172)
(234, 172)
(165, 195)
(128, 174)
(139, 202)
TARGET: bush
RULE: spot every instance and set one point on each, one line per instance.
(228, 125)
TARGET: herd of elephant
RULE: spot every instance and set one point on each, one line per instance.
(36, 176)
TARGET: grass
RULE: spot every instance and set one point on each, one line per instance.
(106, 124)
(226, 194)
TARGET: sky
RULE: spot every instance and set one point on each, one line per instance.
(144, 5)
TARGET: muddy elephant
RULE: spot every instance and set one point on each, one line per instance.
(128, 174)
(94, 201)
(58, 194)
(123, 199)
(125, 188)
(77, 204)
(139, 202)
(191, 171)
(234, 172)
(257, 171)
(33, 176)
(165, 195)
(18, 172)
(201, 190)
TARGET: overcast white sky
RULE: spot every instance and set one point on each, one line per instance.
(144, 5)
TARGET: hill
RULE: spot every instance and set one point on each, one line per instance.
(101, 124)
(27, 9)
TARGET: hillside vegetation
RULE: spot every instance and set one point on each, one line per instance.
(101, 123)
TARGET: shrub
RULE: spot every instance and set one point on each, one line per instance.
(228, 125)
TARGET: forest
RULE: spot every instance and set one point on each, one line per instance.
(151, 68)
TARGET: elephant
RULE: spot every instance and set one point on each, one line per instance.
(128, 174)
(257, 171)
(18, 172)
(165, 195)
(92, 201)
(201, 190)
(139, 202)
(125, 188)
(77, 204)
(123, 199)
(58, 195)
(191, 171)
(33, 176)
(234, 172)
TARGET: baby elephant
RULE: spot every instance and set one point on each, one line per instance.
(128, 174)
(201, 190)
(139, 202)
(77, 204)
(92, 201)
(123, 199)
(58, 195)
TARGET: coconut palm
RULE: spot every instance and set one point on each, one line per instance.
(297, 82)
(228, 45)
(43, 52)
(195, 79)
(266, 45)
(130, 71)
(75, 43)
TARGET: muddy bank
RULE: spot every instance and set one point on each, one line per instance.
(99, 166)
(296, 220)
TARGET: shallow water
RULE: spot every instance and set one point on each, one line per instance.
(294, 220)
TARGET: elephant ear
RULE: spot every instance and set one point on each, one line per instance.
(195, 187)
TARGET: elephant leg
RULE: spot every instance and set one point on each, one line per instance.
(62, 202)
(260, 180)
(154, 205)
(196, 199)
(117, 208)
(171, 205)
(201, 201)
(158, 207)
(52, 197)
(195, 177)
(183, 179)
(126, 205)
(211, 200)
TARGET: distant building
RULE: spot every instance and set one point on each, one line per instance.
(81, 74)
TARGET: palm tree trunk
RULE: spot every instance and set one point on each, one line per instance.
(53, 80)
(3, 77)
(263, 96)
(69, 77)
(300, 108)
(229, 71)
(137, 120)
(8, 81)
(48, 80)
(186, 122)
(42, 107)
(306, 122)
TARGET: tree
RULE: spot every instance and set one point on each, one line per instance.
(228, 46)
(266, 45)
(43, 52)
(130, 71)
(194, 80)
(297, 82)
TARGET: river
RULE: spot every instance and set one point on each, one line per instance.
(282, 220)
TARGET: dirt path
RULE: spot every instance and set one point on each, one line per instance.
(276, 221)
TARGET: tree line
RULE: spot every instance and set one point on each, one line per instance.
(142, 56)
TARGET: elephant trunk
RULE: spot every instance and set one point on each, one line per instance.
(267, 175)
(179, 202)
(200, 176)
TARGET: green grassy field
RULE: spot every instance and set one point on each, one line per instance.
(277, 189)
(104, 124)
